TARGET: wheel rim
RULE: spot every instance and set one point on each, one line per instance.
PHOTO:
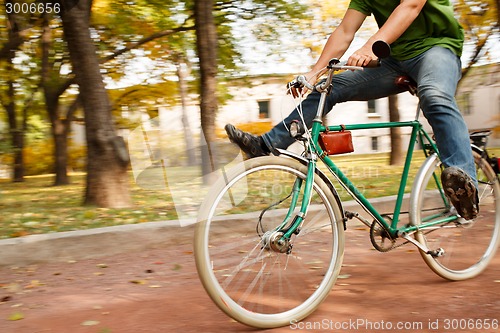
(261, 286)
(469, 245)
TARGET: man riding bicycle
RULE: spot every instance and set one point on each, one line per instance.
(426, 42)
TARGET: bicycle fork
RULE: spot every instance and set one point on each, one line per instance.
(279, 239)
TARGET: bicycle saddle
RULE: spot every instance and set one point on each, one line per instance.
(408, 83)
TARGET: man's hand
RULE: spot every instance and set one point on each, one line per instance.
(297, 90)
(362, 57)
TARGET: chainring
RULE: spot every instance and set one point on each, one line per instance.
(380, 237)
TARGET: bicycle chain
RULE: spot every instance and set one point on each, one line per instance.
(394, 246)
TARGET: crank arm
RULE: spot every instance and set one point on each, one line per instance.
(434, 253)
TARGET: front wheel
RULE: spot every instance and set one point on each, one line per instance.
(468, 246)
(245, 270)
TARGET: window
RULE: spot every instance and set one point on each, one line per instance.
(372, 108)
(375, 143)
(263, 109)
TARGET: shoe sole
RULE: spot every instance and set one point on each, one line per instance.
(239, 140)
(460, 189)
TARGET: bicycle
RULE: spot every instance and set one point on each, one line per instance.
(269, 243)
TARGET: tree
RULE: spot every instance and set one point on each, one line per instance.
(54, 85)
(182, 74)
(17, 124)
(481, 23)
(396, 155)
(206, 45)
(107, 178)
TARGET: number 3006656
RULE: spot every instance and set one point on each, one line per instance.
(32, 8)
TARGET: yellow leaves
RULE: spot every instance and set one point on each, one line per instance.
(476, 14)
(16, 316)
(259, 127)
(101, 5)
(332, 9)
(34, 284)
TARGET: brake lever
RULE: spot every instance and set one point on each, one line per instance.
(302, 81)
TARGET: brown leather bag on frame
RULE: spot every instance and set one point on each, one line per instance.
(335, 143)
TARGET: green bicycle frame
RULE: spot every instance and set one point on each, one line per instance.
(417, 134)
(314, 151)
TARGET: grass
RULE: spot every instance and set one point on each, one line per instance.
(373, 175)
(37, 207)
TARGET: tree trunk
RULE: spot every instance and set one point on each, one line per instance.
(15, 39)
(182, 74)
(107, 158)
(498, 13)
(206, 43)
(60, 135)
(17, 136)
(59, 127)
(396, 157)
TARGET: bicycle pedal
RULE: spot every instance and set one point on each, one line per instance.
(436, 253)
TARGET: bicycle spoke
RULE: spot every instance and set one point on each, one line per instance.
(468, 245)
(258, 278)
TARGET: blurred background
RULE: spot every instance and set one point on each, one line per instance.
(94, 93)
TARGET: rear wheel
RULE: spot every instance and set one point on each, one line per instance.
(246, 271)
(468, 246)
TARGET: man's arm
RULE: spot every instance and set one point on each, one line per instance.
(335, 47)
(341, 38)
(401, 18)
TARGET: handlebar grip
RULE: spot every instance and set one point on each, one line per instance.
(373, 63)
(303, 81)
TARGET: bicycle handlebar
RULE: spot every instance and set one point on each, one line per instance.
(333, 65)
(380, 48)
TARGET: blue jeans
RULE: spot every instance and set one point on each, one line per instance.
(436, 72)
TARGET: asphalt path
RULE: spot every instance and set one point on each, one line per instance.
(156, 289)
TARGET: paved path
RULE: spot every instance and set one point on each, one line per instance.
(157, 290)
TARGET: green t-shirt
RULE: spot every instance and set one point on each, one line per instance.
(434, 26)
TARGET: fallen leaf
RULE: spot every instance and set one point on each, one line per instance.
(138, 281)
(5, 299)
(34, 284)
(14, 288)
(90, 323)
(16, 316)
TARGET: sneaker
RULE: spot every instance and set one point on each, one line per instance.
(460, 189)
(251, 145)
